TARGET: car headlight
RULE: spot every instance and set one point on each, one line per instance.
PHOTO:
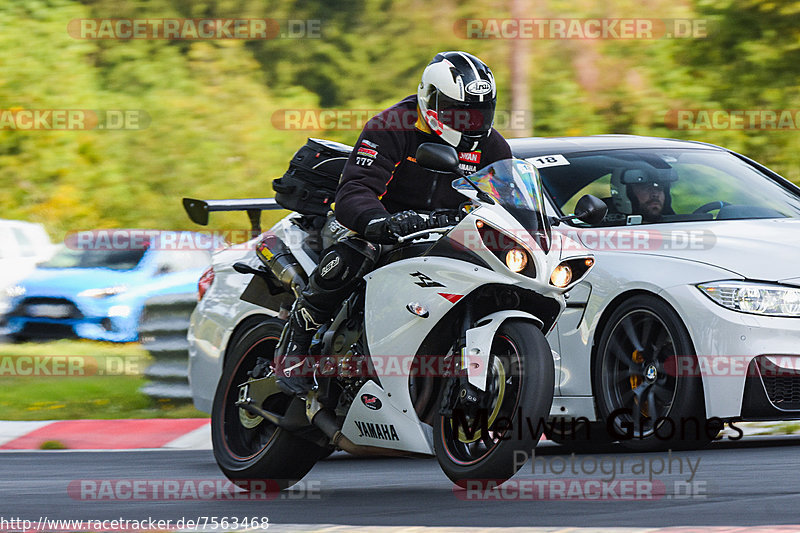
(103, 293)
(754, 298)
(15, 291)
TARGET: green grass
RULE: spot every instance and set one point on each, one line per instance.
(90, 380)
(52, 445)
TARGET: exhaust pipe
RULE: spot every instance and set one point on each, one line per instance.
(277, 257)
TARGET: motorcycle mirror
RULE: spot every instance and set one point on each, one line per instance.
(589, 209)
(437, 157)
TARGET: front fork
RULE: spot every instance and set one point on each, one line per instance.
(459, 392)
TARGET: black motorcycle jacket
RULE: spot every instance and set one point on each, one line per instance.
(382, 176)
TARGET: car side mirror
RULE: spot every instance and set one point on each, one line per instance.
(437, 157)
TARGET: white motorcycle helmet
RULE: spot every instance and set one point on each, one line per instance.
(457, 97)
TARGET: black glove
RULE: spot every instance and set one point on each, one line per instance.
(386, 230)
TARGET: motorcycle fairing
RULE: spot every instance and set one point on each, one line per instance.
(385, 426)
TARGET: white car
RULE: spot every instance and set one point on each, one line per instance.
(684, 322)
(23, 245)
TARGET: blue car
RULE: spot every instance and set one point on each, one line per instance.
(98, 293)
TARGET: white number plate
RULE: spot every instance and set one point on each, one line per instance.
(542, 161)
(49, 310)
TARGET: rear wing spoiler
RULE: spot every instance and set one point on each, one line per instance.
(198, 210)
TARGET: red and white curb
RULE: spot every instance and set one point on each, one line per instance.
(135, 434)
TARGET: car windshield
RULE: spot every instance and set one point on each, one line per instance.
(646, 186)
(67, 257)
(517, 187)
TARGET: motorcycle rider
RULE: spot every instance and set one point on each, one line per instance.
(382, 188)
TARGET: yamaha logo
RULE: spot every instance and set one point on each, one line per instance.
(478, 87)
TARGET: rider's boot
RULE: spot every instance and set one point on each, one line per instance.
(295, 373)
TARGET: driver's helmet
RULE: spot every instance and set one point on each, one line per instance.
(456, 98)
(622, 197)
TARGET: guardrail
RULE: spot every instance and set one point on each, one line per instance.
(162, 332)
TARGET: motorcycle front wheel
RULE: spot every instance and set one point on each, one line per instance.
(475, 446)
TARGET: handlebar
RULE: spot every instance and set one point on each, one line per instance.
(423, 233)
(431, 225)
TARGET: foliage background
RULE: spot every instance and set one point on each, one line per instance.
(211, 102)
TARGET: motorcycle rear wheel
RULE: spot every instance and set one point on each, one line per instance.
(249, 448)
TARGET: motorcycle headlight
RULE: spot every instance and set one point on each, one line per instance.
(102, 293)
(570, 271)
(561, 276)
(755, 298)
(516, 260)
(507, 249)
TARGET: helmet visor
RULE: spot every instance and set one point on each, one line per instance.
(475, 118)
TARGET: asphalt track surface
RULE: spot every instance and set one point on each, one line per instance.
(751, 482)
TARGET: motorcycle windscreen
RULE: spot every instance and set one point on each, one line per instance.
(517, 187)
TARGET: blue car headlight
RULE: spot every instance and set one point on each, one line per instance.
(15, 291)
(755, 298)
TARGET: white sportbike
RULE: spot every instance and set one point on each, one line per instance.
(440, 351)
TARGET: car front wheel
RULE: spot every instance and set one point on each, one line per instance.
(643, 400)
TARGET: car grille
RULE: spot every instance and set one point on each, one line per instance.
(782, 385)
(43, 331)
(783, 391)
(65, 308)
